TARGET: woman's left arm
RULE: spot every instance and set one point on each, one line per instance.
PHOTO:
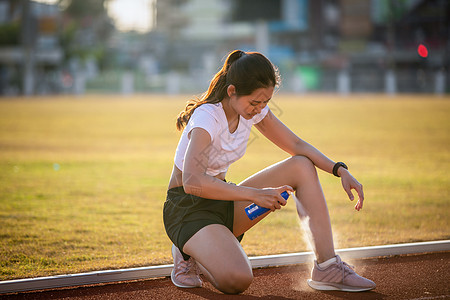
(278, 133)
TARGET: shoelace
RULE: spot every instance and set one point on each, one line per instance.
(195, 267)
(188, 266)
(346, 268)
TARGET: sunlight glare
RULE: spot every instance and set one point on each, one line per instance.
(131, 14)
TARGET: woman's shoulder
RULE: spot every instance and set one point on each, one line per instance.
(213, 109)
(207, 116)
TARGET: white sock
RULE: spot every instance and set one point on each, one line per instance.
(327, 263)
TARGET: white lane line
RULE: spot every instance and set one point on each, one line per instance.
(29, 284)
(432, 297)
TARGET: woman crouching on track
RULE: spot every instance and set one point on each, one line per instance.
(204, 215)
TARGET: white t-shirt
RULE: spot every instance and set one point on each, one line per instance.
(225, 147)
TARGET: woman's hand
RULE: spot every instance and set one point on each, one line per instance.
(349, 183)
(271, 197)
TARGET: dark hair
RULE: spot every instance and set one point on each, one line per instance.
(247, 71)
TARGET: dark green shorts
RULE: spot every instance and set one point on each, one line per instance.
(184, 215)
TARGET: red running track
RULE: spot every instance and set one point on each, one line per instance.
(418, 277)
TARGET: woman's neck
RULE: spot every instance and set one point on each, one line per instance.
(231, 114)
(229, 111)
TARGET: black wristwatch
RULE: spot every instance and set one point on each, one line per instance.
(337, 166)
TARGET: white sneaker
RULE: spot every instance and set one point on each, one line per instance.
(338, 277)
(185, 274)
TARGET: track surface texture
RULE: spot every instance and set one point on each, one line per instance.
(419, 276)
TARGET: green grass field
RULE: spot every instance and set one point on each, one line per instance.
(83, 179)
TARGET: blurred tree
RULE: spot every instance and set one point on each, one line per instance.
(85, 8)
(86, 29)
(10, 34)
(394, 10)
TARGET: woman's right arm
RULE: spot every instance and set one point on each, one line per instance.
(197, 182)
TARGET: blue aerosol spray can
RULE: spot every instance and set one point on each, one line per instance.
(253, 211)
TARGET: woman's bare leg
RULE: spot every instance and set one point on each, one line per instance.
(219, 254)
(221, 258)
(300, 173)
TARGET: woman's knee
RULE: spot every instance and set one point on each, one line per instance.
(301, 163)
(235, 281)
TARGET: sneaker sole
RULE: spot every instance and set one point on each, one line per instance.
(180, 285)
(329, 286)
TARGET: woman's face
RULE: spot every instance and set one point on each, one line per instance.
(249, 105)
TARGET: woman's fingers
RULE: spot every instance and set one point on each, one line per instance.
(350, 194)
(359, 204)
(273, 199)
(281, 189)
(359, 190)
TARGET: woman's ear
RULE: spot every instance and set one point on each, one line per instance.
(231, 90)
